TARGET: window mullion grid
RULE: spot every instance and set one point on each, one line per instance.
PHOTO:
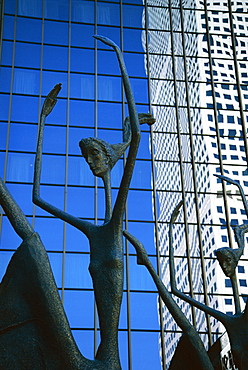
(216, 123)
(181, 164)
(154, 190)
(239, 90)
(203, 268)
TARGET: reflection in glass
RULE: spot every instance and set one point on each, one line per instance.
(22, 137)
(76, 272)
(20, 167)
(82, 86)
(27, 55)
(109, 88)
(56, 9)
(54, 169)
(82, 60)
(29, 29)
(6, 55)
(31, 8)
(55, 58)
(83, 11)
(81, 35)
(81, 114)
(26, 81)
(56, 33)
(132, 16)
(108, 14)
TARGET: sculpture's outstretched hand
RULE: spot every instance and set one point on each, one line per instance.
(146, 118)
(176, 211)
(106, 41)
(50, 100)
(227, 179)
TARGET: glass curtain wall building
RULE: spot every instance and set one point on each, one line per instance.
(188, 65)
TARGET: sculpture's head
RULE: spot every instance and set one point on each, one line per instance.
(97, 154)
(228, 259)
(100, 155)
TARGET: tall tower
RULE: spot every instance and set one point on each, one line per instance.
(198, 70)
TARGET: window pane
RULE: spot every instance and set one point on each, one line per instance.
(81, 35)
(132, 16)
(55, 58)
(23, 137)
(27, 55)
(26, 81)
(145, 348)
(107, 63)
(56, 33)
(81, 202)
(82, 86)
(147, 318)
(109, 88)
(5, 78)
(56, 9)
(54, 140)
(76, 241)
(79, 173)
(76, 273)
(108, 14)
(83, 11)
(79, 307)
(20, 167)
(32, 8)
(51, 232)
(81, 113)
(6, 55)
(82, 60)
(8, 27)
(53, 169)
(56, 265)
(28, 29)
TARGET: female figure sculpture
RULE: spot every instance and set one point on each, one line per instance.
(190, 352)
(236, 325)
(34, 330)
(106, 246)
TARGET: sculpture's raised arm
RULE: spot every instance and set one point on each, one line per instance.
(201, 357)
(119, 207)
(48, 106)
(209, 310)
(14, 213)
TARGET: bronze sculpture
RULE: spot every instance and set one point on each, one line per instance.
(235, 325)
(190, 352)
(34, 330)
(106, 246)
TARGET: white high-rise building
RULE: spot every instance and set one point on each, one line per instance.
(197, 136)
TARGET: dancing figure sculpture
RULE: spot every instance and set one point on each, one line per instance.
(190, 352)
(34, 330)
(106, 245)
(235, 325)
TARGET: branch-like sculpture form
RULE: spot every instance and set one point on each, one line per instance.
(236, 325)
(197, 353)
(106, 246)
(34, 330)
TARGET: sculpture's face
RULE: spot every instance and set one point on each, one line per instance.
(227, 262)
(96, 159)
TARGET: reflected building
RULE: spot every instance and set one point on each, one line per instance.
(200, 103)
